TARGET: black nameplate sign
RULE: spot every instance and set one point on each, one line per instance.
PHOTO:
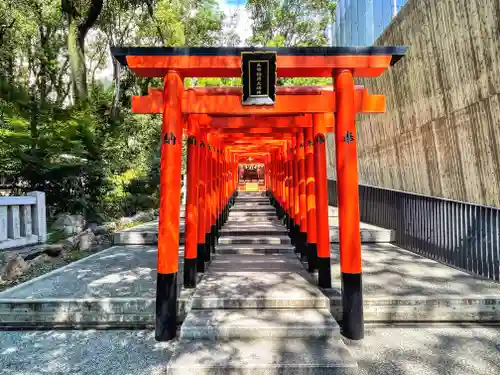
(259, 78)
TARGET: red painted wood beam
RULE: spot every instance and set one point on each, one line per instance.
(289, 101)
(230, 66)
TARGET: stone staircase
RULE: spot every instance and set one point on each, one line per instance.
(256, 310)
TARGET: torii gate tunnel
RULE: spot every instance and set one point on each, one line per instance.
(284, 128)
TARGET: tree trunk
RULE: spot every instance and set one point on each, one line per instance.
(78, 27)
(116, 98)
(77, 63)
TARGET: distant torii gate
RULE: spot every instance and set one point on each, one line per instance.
(219, 126)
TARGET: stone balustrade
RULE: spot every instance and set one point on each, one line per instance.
(22, 220)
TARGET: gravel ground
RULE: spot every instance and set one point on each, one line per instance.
(87, 352)
(436, 350)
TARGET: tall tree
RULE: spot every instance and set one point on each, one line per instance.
(81, 16)
(287, 23)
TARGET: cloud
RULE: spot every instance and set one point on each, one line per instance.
(243, 28)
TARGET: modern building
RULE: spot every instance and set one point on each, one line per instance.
(360, 22)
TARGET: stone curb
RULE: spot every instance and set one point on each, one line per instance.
(80, 313)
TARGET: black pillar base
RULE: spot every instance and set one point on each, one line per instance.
(312, 257)
(352, 305)
(291, 230)
(208, 246)
(303, 245)
(200, 261)
(324, 273)
(190, 273)
(166, 307)
(296, 235)
(280, 212)
(213, 236)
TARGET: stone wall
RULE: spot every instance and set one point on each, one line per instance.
(441, 133)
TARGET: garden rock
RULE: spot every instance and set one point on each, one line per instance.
(13, 266)
(53, 250)
(103, 229)
(86, 240)
(70, 224)
(44, 258)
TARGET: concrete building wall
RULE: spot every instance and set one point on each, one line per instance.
(441, 133)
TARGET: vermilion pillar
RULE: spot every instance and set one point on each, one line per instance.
(279, 168)
(215, 191)
(214, 196)
(169, 220)
(191, 227)
(296, 197)
(323, 227)
(348, 202)
(203, 250)
(284, 166)
(209, 197)
(218, 183)
(302, 194)
(226, 184)
(291, 198)
(312, 250)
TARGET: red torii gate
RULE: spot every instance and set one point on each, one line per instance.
(217, 181)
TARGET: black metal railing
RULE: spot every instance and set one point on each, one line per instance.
(460, 234)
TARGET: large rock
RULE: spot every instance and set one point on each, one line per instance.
(140, 216)
(70, 224)
(102, 229)
(53, 250)
(44, 258)
(13, 265)
(86, 239)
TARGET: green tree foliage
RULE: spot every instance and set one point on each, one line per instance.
(290, 23)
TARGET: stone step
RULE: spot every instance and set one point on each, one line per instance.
(254, 249)
(274, 240)
(253, 219)
(253, 209)
(258, 323)
(252, 199)
(253, 203)
(254, 231)
(271, 214)
(264, 356)
(245, 225)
